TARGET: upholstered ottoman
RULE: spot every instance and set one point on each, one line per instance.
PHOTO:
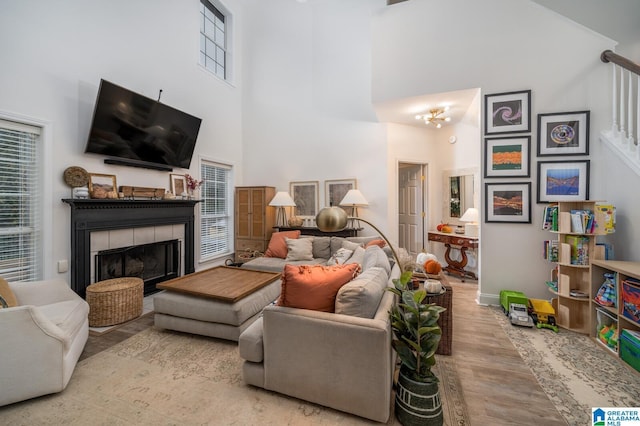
(114, 301)
(210, 317)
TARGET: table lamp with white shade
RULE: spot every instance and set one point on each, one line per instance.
(354, 199)
(281, 200)
(471, 216)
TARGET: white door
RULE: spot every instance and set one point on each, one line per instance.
(411, 208)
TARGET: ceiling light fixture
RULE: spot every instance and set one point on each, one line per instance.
(435, 117)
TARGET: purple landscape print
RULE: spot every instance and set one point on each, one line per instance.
(563, 182)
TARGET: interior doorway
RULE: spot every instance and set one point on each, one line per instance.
(412, 206)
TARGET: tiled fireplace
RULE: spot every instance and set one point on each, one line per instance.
(106, 225)
(152, 253)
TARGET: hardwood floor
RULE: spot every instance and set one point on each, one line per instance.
(498, 387)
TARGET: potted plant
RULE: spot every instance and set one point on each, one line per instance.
(417, 335)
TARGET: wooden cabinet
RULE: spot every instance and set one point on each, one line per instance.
(601, 315)
(575, 253)
(254, 220)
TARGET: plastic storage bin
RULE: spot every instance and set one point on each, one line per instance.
(631, 300)
(630, 348)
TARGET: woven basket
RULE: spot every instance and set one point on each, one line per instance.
(114, 301)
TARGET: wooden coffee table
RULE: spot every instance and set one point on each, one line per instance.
(225, 283)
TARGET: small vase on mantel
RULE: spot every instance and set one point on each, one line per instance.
(193, 194)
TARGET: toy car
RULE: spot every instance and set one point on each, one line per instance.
(518, 315)
(543, 314)
(507, 297)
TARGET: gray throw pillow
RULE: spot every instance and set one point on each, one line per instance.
(340, 257)
(299, 249)
(361, 296)
(374, 256)
(357, 256)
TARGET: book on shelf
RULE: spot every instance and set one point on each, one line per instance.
(550, 218)
(578, 293)
(608, 250)
(551, 250)
(579, 249)
(582, 221)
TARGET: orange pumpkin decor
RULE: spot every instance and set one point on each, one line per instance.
(432, 267)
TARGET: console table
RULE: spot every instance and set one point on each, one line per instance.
(463, 243)
(307, 230)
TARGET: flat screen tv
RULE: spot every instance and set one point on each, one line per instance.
(138, 131)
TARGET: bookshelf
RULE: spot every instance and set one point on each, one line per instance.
(575, 225)
(620, 272)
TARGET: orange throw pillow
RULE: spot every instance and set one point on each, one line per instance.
(278, 245)
(314, 286)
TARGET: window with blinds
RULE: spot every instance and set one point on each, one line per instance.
(216, 231)
(20, 231)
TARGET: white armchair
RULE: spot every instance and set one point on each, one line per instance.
(41, 339)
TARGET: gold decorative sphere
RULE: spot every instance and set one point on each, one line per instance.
(331, 219)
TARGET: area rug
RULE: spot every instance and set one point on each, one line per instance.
(573, 371)
(159, 377)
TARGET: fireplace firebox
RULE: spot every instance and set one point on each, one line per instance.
(153, 263)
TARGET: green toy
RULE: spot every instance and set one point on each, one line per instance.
(510, 296)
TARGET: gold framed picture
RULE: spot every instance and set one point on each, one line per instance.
(102, 186)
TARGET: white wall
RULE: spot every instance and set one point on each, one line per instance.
(54, 55)
(499, 46)
(307, 110)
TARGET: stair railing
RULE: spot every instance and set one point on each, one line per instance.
(625, 127)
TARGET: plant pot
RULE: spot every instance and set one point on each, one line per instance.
(417, 403)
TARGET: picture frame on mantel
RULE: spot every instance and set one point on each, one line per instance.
(305, 195)
(101, 185)
(508, 112)
(336, 189)
(178, 184)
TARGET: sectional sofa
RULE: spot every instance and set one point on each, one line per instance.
(341, 359)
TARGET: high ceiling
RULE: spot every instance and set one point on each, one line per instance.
(616, 19)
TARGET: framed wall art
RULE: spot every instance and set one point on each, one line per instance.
(305, 195)
(507, 156)
(178, 184)
(335, 190)
(508, 202)
(563, 181)
(565, 133)
(100, 185)
(508, 112)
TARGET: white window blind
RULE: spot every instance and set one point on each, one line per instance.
(19, 202)
(213, 51)
(215, 210)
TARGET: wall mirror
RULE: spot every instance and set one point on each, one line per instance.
(461, 191)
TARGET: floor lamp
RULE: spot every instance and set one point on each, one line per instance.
(354, 199)
(281, 200)
(334, 219)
